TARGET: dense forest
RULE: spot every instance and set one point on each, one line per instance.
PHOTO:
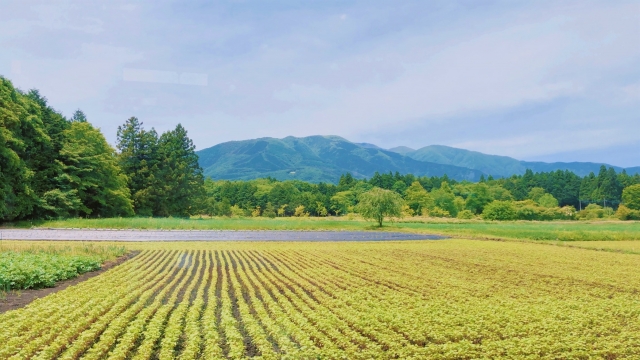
(54, 167)
(57, 167)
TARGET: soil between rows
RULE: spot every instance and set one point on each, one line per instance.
(21, 298)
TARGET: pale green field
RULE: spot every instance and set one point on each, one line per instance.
(632, 247)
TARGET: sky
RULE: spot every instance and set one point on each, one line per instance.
(534, 80)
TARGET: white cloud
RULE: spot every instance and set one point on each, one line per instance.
(420, 73)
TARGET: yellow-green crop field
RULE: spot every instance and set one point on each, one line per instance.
(450, 299)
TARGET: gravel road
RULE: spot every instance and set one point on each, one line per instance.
(205, 235)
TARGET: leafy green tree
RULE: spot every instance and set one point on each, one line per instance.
(182, 182)
(223, 208)
(342, 202)
(478, 198)
(379, 203)
(300, 211)
(400, 187)
(536, 193)
(42, 152)
(321, 210)
(346, 182)
(269, 211)
(19, 126)
(282, 193)
(444, 198)
(500, 193)
(631, 197)
(92, 182)
(418, 198)
(547, 201)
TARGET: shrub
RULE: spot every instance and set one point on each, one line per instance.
(237, 211)
(439, 212)
(299, 212)
(594, 211)
(321, 210)
(623, 213)
(499, 210)
(527, 212)
(465, 214)
(407, 211)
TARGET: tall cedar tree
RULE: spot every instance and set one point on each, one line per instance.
(140, 160)
(182, 182)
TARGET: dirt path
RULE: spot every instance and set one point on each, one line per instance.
(207, 235)
(17, 299)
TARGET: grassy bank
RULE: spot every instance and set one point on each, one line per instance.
(549, 230)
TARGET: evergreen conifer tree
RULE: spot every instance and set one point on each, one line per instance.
(140, 160)
(181, 178)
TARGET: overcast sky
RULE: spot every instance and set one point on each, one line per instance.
(535, 80)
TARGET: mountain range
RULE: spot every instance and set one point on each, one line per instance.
(325, 158)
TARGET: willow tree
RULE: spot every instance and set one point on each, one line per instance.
(378, 203)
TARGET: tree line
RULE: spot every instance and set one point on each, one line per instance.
(57, 167)
(532, 196)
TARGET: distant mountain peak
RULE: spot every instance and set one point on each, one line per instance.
(369, 146)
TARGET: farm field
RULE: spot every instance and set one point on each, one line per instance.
(531, 230)
(453, 299)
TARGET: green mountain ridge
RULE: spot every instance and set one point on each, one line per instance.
(325, 158)
(314, 159)
(502, 166)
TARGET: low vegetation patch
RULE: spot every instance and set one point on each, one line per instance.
(36, 267)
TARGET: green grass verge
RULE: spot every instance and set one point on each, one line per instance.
(530, 230)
